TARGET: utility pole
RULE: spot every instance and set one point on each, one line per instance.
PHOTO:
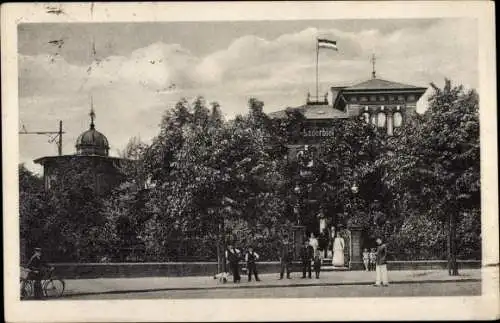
(58, 135)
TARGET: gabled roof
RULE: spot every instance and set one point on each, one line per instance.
(379, 84)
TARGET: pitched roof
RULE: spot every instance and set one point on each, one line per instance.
(312, 111)
(379, 84)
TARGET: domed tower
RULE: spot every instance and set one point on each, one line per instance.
(91, 141)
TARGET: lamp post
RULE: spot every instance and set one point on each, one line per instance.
(355, 260)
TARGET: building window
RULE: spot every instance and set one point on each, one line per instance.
(391, 98)
(51, 181)
(401, 98)
(381, 119)
(364, 99)
(366, 116)
(354, 99)
(373, 98)
(374, 119)
(398, 119)
(381, 98)
(411, 98)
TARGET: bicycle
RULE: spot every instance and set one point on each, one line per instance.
(51, 286)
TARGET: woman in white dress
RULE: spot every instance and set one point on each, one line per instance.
(338, 251)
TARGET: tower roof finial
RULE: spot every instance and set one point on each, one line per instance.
(373, 66)
(92, 113)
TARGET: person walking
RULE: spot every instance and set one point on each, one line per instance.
(381, 269)
(285, 258)
(233, 257)
(251, 258)
(306, 255)
(36, 265)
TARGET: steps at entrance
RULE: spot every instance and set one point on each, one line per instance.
(333, 268)
(326, 265)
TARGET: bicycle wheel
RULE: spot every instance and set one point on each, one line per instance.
(26, 289)
(54, 288)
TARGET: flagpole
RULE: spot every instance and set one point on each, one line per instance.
(317, 77)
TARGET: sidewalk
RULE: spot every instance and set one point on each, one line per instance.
(129, 285)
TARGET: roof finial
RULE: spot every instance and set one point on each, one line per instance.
(92, 113)
(373, 66)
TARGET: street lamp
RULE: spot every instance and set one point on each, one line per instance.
(297, 191)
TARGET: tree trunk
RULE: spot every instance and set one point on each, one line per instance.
(452, 248)
(224, 262)
(219, 255)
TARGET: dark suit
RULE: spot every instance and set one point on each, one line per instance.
(285, 260)
(251, 265)
(306, 255)
(233, 258)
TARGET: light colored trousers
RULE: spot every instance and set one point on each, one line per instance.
(381, 275)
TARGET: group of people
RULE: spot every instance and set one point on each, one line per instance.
(370, 259)
(310, 258)
(234, 255)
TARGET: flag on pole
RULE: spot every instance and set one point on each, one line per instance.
(326, 43)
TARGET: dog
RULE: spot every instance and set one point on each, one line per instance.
(222, 277)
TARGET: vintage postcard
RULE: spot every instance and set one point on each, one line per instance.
(249, 161)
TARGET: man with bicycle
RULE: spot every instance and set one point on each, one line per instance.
(37, 266)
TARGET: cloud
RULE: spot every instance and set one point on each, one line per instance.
(132, 91)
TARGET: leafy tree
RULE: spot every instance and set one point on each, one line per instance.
(216, 171)
(31, 210)
(433, 167)
(73, 219)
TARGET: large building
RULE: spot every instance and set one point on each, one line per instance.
(383, 103)
(92, 153)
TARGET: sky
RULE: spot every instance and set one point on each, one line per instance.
(139, 70)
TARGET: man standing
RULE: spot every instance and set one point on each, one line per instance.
(381, 269)
(251, 257)
(306, 255)
(233, 257)
(285, 258)
(36, 265)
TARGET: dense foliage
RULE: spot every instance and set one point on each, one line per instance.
(204, 181)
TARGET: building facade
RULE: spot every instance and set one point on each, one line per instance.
(92, 156)
(385, 104)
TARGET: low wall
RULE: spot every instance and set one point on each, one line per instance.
(176, 269)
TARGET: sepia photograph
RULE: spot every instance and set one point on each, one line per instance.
(295, 158)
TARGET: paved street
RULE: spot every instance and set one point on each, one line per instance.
(330, 284)
(395, 290)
